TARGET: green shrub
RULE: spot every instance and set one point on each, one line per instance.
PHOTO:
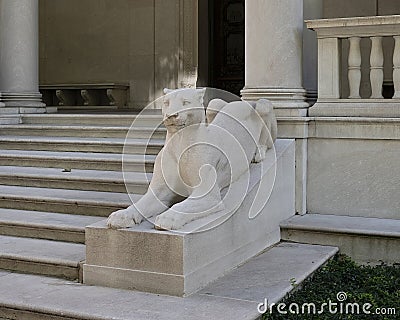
(377, 285)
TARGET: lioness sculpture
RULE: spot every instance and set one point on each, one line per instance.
(205, 151)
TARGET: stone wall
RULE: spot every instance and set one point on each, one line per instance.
(149, 43)
(354, 177)
(146, 43)
(352, 165)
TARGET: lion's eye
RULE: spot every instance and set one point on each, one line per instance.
(166, 103)
(186, 102)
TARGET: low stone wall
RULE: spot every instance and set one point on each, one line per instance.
(346, 165)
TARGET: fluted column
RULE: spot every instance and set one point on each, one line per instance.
(273, 57)
(19, 56)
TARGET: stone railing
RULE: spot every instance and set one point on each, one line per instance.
(332, 34)
(85, 94)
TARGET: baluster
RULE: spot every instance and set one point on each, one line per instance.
(396, 67)
(376, 73)
(354, 73)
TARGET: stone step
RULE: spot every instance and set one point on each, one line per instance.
(110, 145)
(76, 179)
(45, 225)
(366, 240)
(88, 203)
(45, 257)
(125, 119)
(235, 296)
(79, 108)
(9, 119)
(75, 160)
(96, 131)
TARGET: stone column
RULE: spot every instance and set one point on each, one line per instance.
(19, 56)
(274, 44)
(313, 9)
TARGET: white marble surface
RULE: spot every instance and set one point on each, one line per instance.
(354, 177)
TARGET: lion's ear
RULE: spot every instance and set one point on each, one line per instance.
(166, 90)
(201, 93)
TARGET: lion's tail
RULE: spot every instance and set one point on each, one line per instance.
(265, 109)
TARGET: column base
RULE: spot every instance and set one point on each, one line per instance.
(21, 102)
(311, 97)
(288, 102)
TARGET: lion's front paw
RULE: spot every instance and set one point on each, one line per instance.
(123, 219)
(170, 220)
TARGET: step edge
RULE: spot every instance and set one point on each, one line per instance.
(42, 260)
(20, 139)
(360, 232)
(25, 307)
(75, 159)
(321, 262)
(55, 177)
(27, 224)
(97, 203)
(81, 126)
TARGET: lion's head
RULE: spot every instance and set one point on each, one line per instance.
(182, 108)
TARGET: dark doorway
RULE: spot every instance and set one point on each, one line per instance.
(226, 50)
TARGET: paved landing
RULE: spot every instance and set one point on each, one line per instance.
(234, 296)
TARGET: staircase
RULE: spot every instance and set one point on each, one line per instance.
(58, 174)
(62, 172)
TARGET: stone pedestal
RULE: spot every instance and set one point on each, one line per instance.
(163, 262)
(273, 63)
(19, 57)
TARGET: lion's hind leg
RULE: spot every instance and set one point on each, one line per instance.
(214, 106)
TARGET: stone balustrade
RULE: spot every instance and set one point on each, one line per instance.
(332, 33)
(85, 94)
